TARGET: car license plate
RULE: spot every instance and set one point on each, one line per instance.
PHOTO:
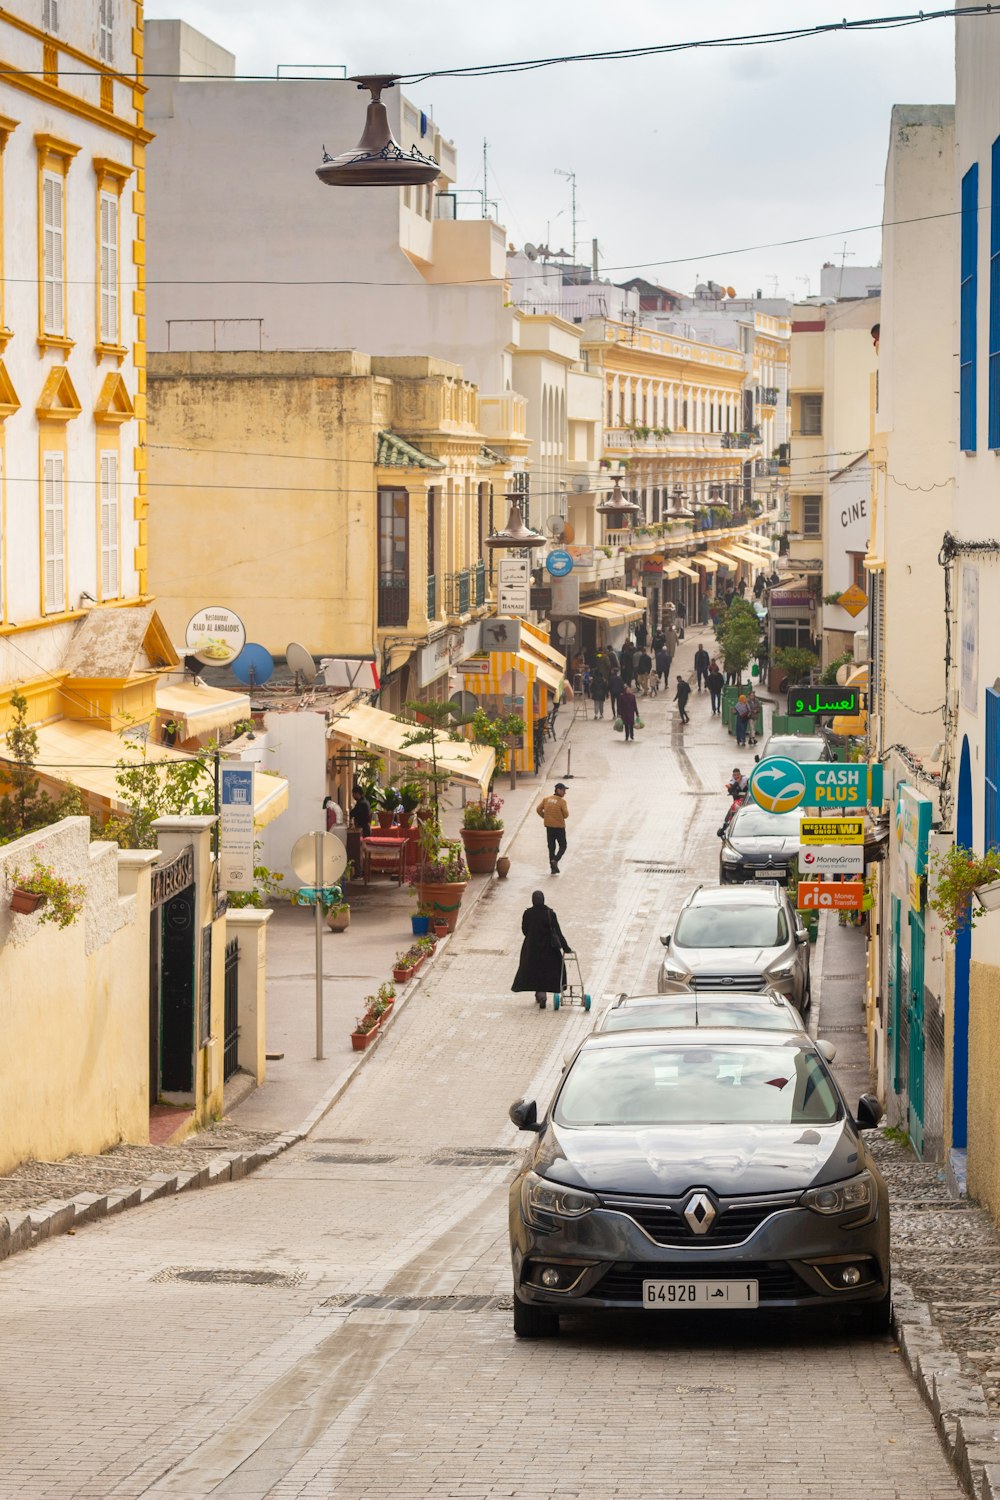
(661, 1295)
(771, 874)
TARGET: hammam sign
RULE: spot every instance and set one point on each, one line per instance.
(778, 784)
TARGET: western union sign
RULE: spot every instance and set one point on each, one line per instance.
(832, 831)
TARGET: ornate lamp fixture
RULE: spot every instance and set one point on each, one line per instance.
(515, 533)
(377, 160)
(618, 506)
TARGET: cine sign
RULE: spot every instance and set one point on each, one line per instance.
(813, 702)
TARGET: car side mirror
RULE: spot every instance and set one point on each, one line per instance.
(801, 936)
(524, 1114)
(720, 833)
(827, 1050)
(869, 1112)
(665, 940)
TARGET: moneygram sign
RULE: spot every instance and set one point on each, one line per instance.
(780, 785)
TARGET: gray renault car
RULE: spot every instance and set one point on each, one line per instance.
(738, 937)
(698, 1170)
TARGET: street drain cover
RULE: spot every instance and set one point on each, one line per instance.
(354, 1159)
(354, 1300)
(227, 1276)
(657, 867)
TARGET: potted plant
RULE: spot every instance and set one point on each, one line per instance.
(960, 874)
(441, 875)
(366, 1029)
(482, 830)
(387, 811)
(410, 794)
(406, 965)
(338, 915)
(420, 921)
(42, 887)
(385, 998)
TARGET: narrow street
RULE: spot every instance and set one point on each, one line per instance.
(239, 1342)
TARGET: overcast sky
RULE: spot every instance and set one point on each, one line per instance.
(687, 158)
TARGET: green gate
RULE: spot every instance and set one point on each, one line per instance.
(894, 1015)
(915, 1030)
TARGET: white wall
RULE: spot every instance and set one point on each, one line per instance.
(296, 745)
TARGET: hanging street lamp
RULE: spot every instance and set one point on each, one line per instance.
(377, 160)
(618, 509)
(515, 533)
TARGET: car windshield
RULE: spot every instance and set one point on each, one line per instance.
(731, 927)
(795, 747)
(719, 1085)
(751, 1015)
(754, 822)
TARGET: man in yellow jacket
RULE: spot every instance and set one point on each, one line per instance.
(553, 812)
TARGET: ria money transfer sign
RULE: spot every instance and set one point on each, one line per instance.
(780, 785)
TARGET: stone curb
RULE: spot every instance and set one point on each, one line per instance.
(969, 1434)
(23, 1229)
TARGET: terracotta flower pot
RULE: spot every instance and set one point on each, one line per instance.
(503, 865)
(338, 921)
(362, 1039)
(443, 900)
(403, 976)
(25, 901)
(482, 845)
(385, 819)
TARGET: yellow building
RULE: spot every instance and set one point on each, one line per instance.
(334, 499)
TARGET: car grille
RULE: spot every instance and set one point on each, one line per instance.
(776, 1281)
(720, 983)
(664, 1220)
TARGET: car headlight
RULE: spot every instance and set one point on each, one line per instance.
(782, 970)
(730, 855)
(855, 1196)
(539, 1196)
(671, 969)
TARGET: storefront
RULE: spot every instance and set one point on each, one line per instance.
(518, 672)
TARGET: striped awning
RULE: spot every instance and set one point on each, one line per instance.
(197, 708)
(703, 560)
(460, 759)
(613, 611)
(683, 568)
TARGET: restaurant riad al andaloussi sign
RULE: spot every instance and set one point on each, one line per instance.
(780, 785)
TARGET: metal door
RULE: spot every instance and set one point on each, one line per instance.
(894, 1017)
(916, 1038)
(231, 1041)
(177, 990)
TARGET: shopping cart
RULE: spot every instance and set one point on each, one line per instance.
(571, 991)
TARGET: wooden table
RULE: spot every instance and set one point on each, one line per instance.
(383, 856)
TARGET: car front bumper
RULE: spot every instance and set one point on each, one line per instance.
(795, 1256)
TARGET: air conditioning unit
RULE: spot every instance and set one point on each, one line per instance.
(861, 647)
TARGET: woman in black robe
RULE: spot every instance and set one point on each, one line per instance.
(541, 965)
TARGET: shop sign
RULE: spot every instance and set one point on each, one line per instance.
(583, 557)
(915, 887)
(513, 584)
(832, 831)
(854, 600)
(541, 600)
(832, 859)
(780, 785)
(215, 635)
(236, 843)
(559, 563)
(913, 828)
(477, 666)
(814, 701)
(565, 597)
(501, 635)
(791, 598)
(830, 895)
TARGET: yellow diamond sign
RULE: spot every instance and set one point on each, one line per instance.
(854, 600)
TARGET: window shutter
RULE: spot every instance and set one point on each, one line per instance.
(55, 532)
(109, 525)
(52, 253)
(109, 269)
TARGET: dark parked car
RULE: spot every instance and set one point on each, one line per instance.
(758, 845)
(698, 1169)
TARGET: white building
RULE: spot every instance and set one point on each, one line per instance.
(845, 283)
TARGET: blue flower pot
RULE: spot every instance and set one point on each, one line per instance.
(421, 926)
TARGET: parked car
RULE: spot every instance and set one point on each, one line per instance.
(762, 1010)
(758, 845)
(801, 747)
(698, 1169)
(738, 938)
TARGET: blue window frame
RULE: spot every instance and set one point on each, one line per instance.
(995, 296)
(991, 824)
(967, 316)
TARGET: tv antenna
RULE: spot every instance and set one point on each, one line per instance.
(572, 183)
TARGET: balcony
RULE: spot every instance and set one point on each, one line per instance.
(661, 441)
(767, 395)
(432, 596)
(393, 599)
(765, 468)
(456, 593)
(503, 419)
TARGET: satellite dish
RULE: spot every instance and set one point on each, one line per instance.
(566, 630)
(300, 662)
(254, 666)
(730, 291)
(554, 525)
(464, 705)
(531, 251)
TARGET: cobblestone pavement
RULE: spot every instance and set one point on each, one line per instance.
(237, 1343)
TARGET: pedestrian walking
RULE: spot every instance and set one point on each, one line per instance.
(670, 641)
(628, 662)
(361, 813)
(701, 661)
(730, 595)
(741, 714)
(641, 633)
(643, 667)
(716, 682)
(663, 664)
(553, 812)
(628, 712)
(682, 615)
(614, 661)
(541, 965)
(615, 689)
(753, 704)
(657, 641)
(599, 688)
(760, 584)
(681, 697)
(741, 588)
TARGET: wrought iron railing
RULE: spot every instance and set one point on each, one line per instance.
(457, 592)
(766, 467)
(393, 600)
(479, 578)
(432, 597)
(767, 395)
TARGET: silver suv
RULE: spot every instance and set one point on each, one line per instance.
(738, 938)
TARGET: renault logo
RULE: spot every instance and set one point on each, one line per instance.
(699, 1213)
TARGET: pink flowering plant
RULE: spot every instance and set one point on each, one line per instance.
(958, 873)
(483, 815)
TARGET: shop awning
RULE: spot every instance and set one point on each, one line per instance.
(745, 554)
(702, 560)
(683, 568)
(722, 557)
(626, 596)
(544, 670)
(89, 758)
(541, 646)
(196, 708)
(612, 611)
(464, 762)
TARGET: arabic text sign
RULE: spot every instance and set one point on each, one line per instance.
(832, 859)
(778, 784)
(812, 701)
(236, 854)
(832, 831)
(830, 895)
